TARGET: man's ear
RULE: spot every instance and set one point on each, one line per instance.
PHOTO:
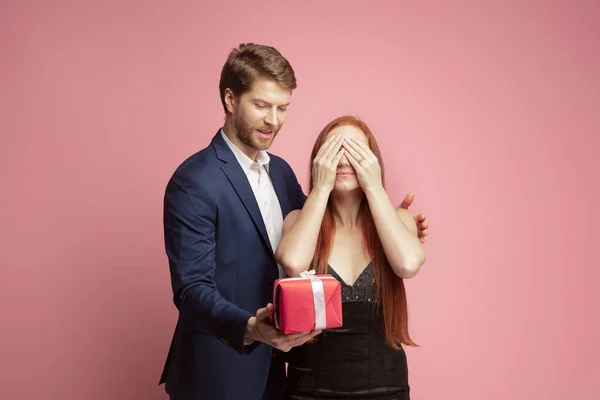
(229, 100)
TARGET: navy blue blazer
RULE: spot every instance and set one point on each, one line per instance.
(222, 270)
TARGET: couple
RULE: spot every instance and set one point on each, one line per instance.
(232, 212)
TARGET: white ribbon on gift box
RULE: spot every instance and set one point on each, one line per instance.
(318, 298)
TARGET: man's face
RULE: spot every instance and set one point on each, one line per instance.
(259, 114)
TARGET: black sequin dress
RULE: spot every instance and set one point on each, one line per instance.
(351, 362)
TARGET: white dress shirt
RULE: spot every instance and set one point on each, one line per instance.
(257, 173)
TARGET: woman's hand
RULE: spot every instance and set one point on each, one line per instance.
(365, 164)
(324, 166)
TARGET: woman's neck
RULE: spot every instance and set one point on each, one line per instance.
(346, 207)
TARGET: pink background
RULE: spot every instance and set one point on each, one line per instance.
(488, 111)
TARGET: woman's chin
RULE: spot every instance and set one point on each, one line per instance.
(346, 187)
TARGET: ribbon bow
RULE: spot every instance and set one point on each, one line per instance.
(307, 274)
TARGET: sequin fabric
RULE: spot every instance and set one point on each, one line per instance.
(363, 290)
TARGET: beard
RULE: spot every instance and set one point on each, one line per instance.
(246, 133)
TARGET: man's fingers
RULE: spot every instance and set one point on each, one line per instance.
(407, 201)
(294, 336)
(299, 335)
(282, 338)
(301, 340)
(265, 313)
(261, 314)
(286, 342)
(314, 333)
(307, 336)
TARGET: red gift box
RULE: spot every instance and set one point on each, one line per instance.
(295, 299)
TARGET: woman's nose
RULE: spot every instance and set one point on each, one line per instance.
(344, 161)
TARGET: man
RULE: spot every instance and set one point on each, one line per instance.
(223, 215)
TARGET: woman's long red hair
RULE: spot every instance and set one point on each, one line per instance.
(389, 286)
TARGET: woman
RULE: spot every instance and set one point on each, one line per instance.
(350, 229)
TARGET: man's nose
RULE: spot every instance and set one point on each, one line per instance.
(272, 118)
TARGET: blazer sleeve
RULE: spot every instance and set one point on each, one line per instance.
(189, 228)
(298, 198)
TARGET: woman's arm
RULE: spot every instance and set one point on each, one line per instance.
(300, 233)
(301, 228)
(402, 246)
(398, 233)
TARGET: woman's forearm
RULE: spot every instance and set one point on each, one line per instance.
(297, 247)
(403, 249)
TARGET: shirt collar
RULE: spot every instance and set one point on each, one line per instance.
(246, 162)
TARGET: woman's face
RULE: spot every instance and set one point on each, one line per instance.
(346, 180)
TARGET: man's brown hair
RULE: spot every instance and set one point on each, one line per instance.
(250, 61)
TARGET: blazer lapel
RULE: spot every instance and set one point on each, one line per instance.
(238, 179)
